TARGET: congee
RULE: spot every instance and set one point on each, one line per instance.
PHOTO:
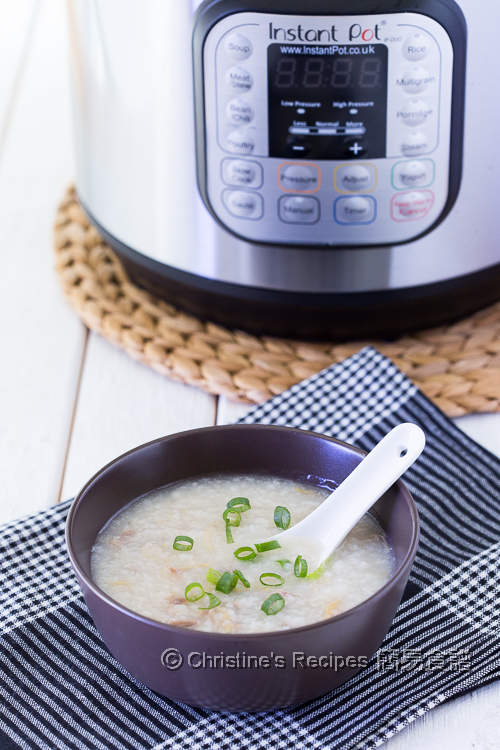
(191, 555)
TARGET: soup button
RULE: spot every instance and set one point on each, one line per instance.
(243, 205)
(412, 206)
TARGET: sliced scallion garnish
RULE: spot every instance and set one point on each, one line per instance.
(193, 592)
(273, 604)
(213, 576)
(245, 553)
(267, 546)
(300, 567)
(226, 583)
(241, 504)
(284, 563)
(229, 534)
(242, 578)
(183, 543)
(282, 517)
(232, 517)
(271, 579)
(213, 601)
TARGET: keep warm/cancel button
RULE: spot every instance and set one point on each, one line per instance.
(412, 206)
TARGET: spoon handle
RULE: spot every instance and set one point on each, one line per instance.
(378, 471)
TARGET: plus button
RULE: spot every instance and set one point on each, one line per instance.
(356, 148)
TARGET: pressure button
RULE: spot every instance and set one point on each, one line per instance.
(299, 178)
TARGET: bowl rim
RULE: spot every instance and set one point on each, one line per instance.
(176, 629)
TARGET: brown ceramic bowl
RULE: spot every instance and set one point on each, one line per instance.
(150, 649)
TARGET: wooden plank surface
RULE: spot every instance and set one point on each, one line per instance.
(41, 339)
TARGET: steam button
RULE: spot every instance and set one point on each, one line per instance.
(239, 112)
(238, 46)
(243, 205)
(415, 144)
(416, 46)
(239, 79)
(240, 141)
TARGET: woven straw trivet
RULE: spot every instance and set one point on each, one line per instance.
(457, 366)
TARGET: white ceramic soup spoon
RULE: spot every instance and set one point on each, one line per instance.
(325, 528)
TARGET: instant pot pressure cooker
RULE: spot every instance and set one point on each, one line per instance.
(298, 167)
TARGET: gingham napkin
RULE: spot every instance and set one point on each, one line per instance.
(60, 687)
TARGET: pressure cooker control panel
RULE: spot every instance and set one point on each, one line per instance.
(327, 130)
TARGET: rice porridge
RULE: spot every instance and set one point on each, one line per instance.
(170, 556)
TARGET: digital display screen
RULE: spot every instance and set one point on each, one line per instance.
(327, 102)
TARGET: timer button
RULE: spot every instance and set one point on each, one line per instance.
(243, 205)
(416, 46)
(239, 79)
(238, 46)
(356, 178)
(412, 206)
(239, 112)
(415, 144)
(415, 80)
(299, 178)
(356, 210)
(415, 112)
(297, 209)
(240, 173)
(240, 142)
(412, 174)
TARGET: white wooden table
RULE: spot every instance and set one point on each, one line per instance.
(69, 401)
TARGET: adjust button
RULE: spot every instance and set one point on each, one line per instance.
(298, 209)
(299, 178)
(240, 173)
(412, 206)
(355, 210)
(239, 112)
(243, 205)
(355, 178)
(239, 79)
(413, 174)
(238, 46)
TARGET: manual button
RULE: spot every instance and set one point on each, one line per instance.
(299, 178)
(297, 209)
(243, 205)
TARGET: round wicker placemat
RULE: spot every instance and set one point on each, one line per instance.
(457, 366)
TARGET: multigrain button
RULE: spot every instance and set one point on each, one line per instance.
(241, 173)
(414, 144)
(298, 209)
(412, 206)
(415, 80)
(415, 112)
(240, 141)
(299, 178)
(238, 46)
(355, 178)
(243, 205)
(416, 46)
(239, 79)
(355, 210)
(412, 174)
(239, 112)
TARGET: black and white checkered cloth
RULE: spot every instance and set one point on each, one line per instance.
(60, 687)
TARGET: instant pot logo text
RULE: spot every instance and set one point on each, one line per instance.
(355, 33)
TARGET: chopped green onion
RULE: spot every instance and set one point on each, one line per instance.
(245, 553)
(267, 546)
(282, 517)
(183, 543)
(198, 592)
(229, 534)
(232, 517)
(226, 583)
(241, 504)
(273, 604)
(300, 567)
(242, 578)
(213, 601)
(213, 576)
(271, 579)
(284, 563)
(317, 573)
